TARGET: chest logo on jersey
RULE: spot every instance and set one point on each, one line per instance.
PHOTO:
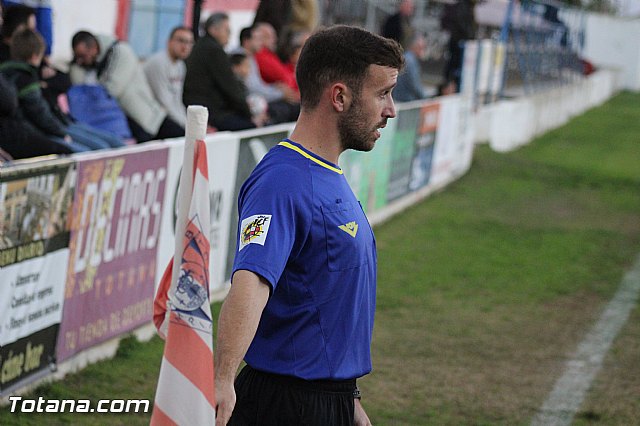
(350, 228)
(254, 230)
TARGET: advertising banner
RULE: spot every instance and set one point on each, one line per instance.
(34, 237)
(454, 146)
(115, 227)
(402, 153)
(27, 359)
(425, 140)
(368, 172)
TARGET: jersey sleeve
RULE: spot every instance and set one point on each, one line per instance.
(274, 219)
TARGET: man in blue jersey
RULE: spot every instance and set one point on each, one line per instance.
(302, 300)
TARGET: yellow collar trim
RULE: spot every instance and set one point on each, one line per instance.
(310, 157)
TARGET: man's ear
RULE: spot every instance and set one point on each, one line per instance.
(340, 97)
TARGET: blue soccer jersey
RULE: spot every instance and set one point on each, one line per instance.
(302, 229)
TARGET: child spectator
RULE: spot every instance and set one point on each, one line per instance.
(16, 136)
(27, 51)
(14, 18)
(257, 104)
(54, 83)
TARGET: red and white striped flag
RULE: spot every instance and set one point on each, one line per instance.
(182, 315)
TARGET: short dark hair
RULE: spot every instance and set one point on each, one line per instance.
(178, 28)
(13, 17)
(245, 34)
(342, 53)
(26, 43)
(214, 20)
(83, 37)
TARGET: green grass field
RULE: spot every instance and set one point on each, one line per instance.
(484, 291)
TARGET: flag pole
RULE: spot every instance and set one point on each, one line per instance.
(185, 391)
(196, 129)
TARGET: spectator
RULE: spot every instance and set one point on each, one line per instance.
(271, 67)
(459, 21)
(288, 16)
(210, 81)
(283, 101)
(54, 83)
(289, 51)
(112, 63)
(44, 21)
(409, 87)
(165, 72)
(16, 137)
(275, 12)
(14, 18)
(27, 51)
(257, 104)
(398, 26)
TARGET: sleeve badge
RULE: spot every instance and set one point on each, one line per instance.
(254, 230)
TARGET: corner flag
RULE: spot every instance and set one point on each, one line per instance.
(182, 314)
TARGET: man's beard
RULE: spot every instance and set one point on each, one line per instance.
(353, 131)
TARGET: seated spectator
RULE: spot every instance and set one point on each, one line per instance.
(16, 136)
(275, 12)
(283, 102)
(210, 80)
(409, 87)
(14, 18)
(112, 63)
(165, 71)
(54, 82)
(27, 51)
(271, 67)
(44, 18)
(289, 50)
(257, 103)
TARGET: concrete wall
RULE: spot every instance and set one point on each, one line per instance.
(612, 42)
(508, 124)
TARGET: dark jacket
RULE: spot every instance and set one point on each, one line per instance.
(210, 81)
(8, 98)
(33, 107)
(5, 51)
(16, 136)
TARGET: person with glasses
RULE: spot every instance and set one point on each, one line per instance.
(165, 71)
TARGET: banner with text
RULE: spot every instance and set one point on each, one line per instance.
(34, 237)
(115, 227)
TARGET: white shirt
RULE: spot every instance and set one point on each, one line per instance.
(166, 79)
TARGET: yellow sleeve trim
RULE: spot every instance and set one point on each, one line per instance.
(310, 157)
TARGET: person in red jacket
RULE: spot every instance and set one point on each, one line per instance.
(272, 69)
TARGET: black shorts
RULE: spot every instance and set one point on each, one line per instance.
(265, 399)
